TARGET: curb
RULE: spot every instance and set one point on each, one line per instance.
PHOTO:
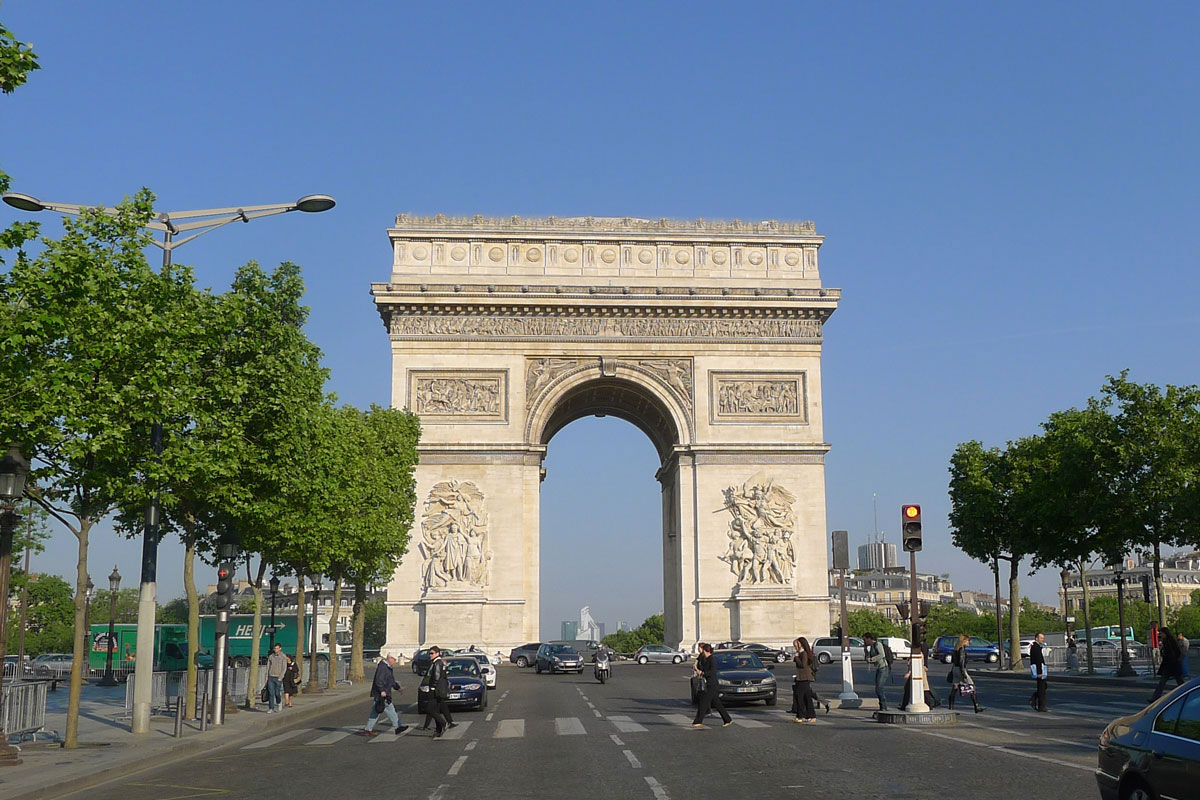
(189, 748)
(1076, 680)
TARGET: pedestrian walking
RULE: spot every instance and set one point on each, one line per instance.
(802, 694)
(710, 688)
(1037, 666)
(1170, 666)
(383, 689)
(877, 658)
(1184, 644)
(959, 676)
(437, 684)
(291, 681)
(277, 665)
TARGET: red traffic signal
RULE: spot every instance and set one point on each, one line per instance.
(910, 527)
(224, 594)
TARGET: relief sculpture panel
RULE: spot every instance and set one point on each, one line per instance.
(806, 331)
(473, 396)
(454, 538)
(760, 549)
(758, 397)
(541, 372)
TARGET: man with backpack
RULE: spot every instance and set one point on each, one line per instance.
(879, 656)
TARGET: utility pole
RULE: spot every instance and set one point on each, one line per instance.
(841, 560)
(910, 527)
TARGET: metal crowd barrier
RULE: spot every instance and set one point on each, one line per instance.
(24, 708)
(343, 671)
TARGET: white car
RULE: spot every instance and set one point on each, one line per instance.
(486, 668)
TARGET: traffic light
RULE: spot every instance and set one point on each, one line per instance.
(224, 594)
(910, 527)
(918, 635)
(1146, 588)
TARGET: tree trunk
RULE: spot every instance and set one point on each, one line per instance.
(358, 625)
(1158, 586)
(300, 637)
(999, 614)
(1087, 617)
(333, 622)
(1014, 613)
(256, 642)
(193, 615)
(78, 651)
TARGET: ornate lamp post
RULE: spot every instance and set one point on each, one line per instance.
(1126, 670)
(1065, 576)
(114, 584)
(87, 610)
(274, 591)
(13, 471)
(169, 224)
(313, 685)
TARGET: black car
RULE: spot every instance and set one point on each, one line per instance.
(558, 658)
(420, 661)
(467, 686)
(766, 654)
(1155, 752)
(740, 676)
(524, 655)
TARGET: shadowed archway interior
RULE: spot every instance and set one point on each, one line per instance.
(616, 398)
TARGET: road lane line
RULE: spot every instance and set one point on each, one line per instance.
(749, 723)
(568, 726)
(584, 697)
(1003, 749)
(659, 792)
(596, 711)
(385, 738)
(457, 765)
(439, 792)
(457, 731)
(991, 728)
(1091, 747)
(591, 706)
(633, 762)
(677, 719)
(274, 740)
(489, 717)
(510, 729)
(330, 738)
(616, 740)
(471, 745)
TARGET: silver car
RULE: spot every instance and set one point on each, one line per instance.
(659, 654)
(829, 649)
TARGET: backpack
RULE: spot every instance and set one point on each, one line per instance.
(888, 656)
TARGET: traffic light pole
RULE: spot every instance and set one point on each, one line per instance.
(916, 701)
(220, 649)
(848, 692)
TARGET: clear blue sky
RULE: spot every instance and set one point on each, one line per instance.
(1009, 196)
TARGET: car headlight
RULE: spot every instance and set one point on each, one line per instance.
(768, 681)
(473, 687)
(721, 682)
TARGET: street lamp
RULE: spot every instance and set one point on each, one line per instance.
(274, 591)
(313, 685)
(1126, 669)
(201, 221)
(13, 471)
(114, 584)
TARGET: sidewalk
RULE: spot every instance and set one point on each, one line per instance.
(1105, 676)
(108, 750)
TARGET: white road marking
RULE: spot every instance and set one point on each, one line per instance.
(677, 719)
(591, 706)
(1002, 749)
(596, 711)
(457, 731)
(383, 737)
(1091, 747)
(274, 740)
(457, 765)
(439, 792)
(471, 745)
(510, 729)
(749, 723)
(991, 728)
(616, 740)
(584, 697)
(1108, 710)
(489, 716)
(633, 762)
(659, 792)
(568, 726)
(330, 738)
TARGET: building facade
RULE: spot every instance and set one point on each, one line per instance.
(1180, 575)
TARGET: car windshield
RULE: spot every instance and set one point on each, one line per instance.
(563, 650)
(738, 661)
(462, 667)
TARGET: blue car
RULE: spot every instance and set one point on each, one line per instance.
(1155, 752)
(467, 687)
(978, 650)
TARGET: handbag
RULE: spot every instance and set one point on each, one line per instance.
(966, 690)
(380, 705)
(266, 696)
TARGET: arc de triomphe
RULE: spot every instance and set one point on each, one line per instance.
(705, 335)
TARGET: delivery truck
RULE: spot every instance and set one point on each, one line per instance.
(170, 648)
(241, 636)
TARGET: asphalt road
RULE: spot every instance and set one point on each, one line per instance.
(567, 736)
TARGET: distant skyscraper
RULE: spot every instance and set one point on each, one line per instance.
(588, 629)
(877, 555)
(601, 636)
(622, 625)
(570, 630)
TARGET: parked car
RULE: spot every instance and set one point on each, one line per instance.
(420, 661)
(1026, 643)
(524, 655)
(829, 648)
(659, 654)
(1112, 648)
(766, 653)
(901, 648)
(1155, 752)
(467, 687)
(741, 676)
(979, 649)
(486, 669)
(58, 663)
(728, 645)
(557, 658)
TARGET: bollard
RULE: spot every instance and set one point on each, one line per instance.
(179, 716)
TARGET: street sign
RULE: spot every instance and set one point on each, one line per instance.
(272, 628)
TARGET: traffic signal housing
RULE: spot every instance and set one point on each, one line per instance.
(224, 595)
(910, 527)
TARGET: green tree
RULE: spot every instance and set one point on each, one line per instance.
(17, 60)
(651, 631)
(374, 625)
(50, 617)
(1195, 597)
(173, 612)
(862, 621)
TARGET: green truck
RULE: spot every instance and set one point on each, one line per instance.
(170, 648)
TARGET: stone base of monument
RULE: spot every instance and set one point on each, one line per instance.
(937, 716)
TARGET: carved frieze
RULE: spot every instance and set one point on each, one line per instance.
(758, 397)
(760, 549)
(459, 396)
(675, 372)
(455, 545)
(541, 372)
(602, 328)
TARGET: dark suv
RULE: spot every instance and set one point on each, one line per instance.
(978, 650)
(524, 655)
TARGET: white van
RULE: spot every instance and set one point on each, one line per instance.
(901, 648)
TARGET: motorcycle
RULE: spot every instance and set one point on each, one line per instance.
(603, 669)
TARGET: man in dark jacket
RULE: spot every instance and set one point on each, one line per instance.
(438, 682)
(1037, 665)
(382, 689)
(1171, 666)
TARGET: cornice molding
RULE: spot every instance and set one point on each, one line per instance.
(605, 227)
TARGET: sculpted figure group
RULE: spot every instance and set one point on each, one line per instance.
(455, 537)
(760, 549)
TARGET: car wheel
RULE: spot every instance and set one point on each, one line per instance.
(947, 659)
(771, 700)
(1135, 789)
(993, 658)
(782, 657)
(643, 660)
(241, 662)
(677, 660)
(538, 667)
(824, 658)
(522, 661)
(483, 700)
(414, 667)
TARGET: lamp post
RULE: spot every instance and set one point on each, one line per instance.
(13, 471)
(114, 584)
(274, 590)
(1126, 669)
(168, 223)
(1065, 575)
(313, 686)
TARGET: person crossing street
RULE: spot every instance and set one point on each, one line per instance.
(1037, 665)
(710, 694)
(383, 687)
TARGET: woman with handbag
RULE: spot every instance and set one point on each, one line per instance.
(960, 677)
(802, 694)
(291, 681)
(710, 693)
